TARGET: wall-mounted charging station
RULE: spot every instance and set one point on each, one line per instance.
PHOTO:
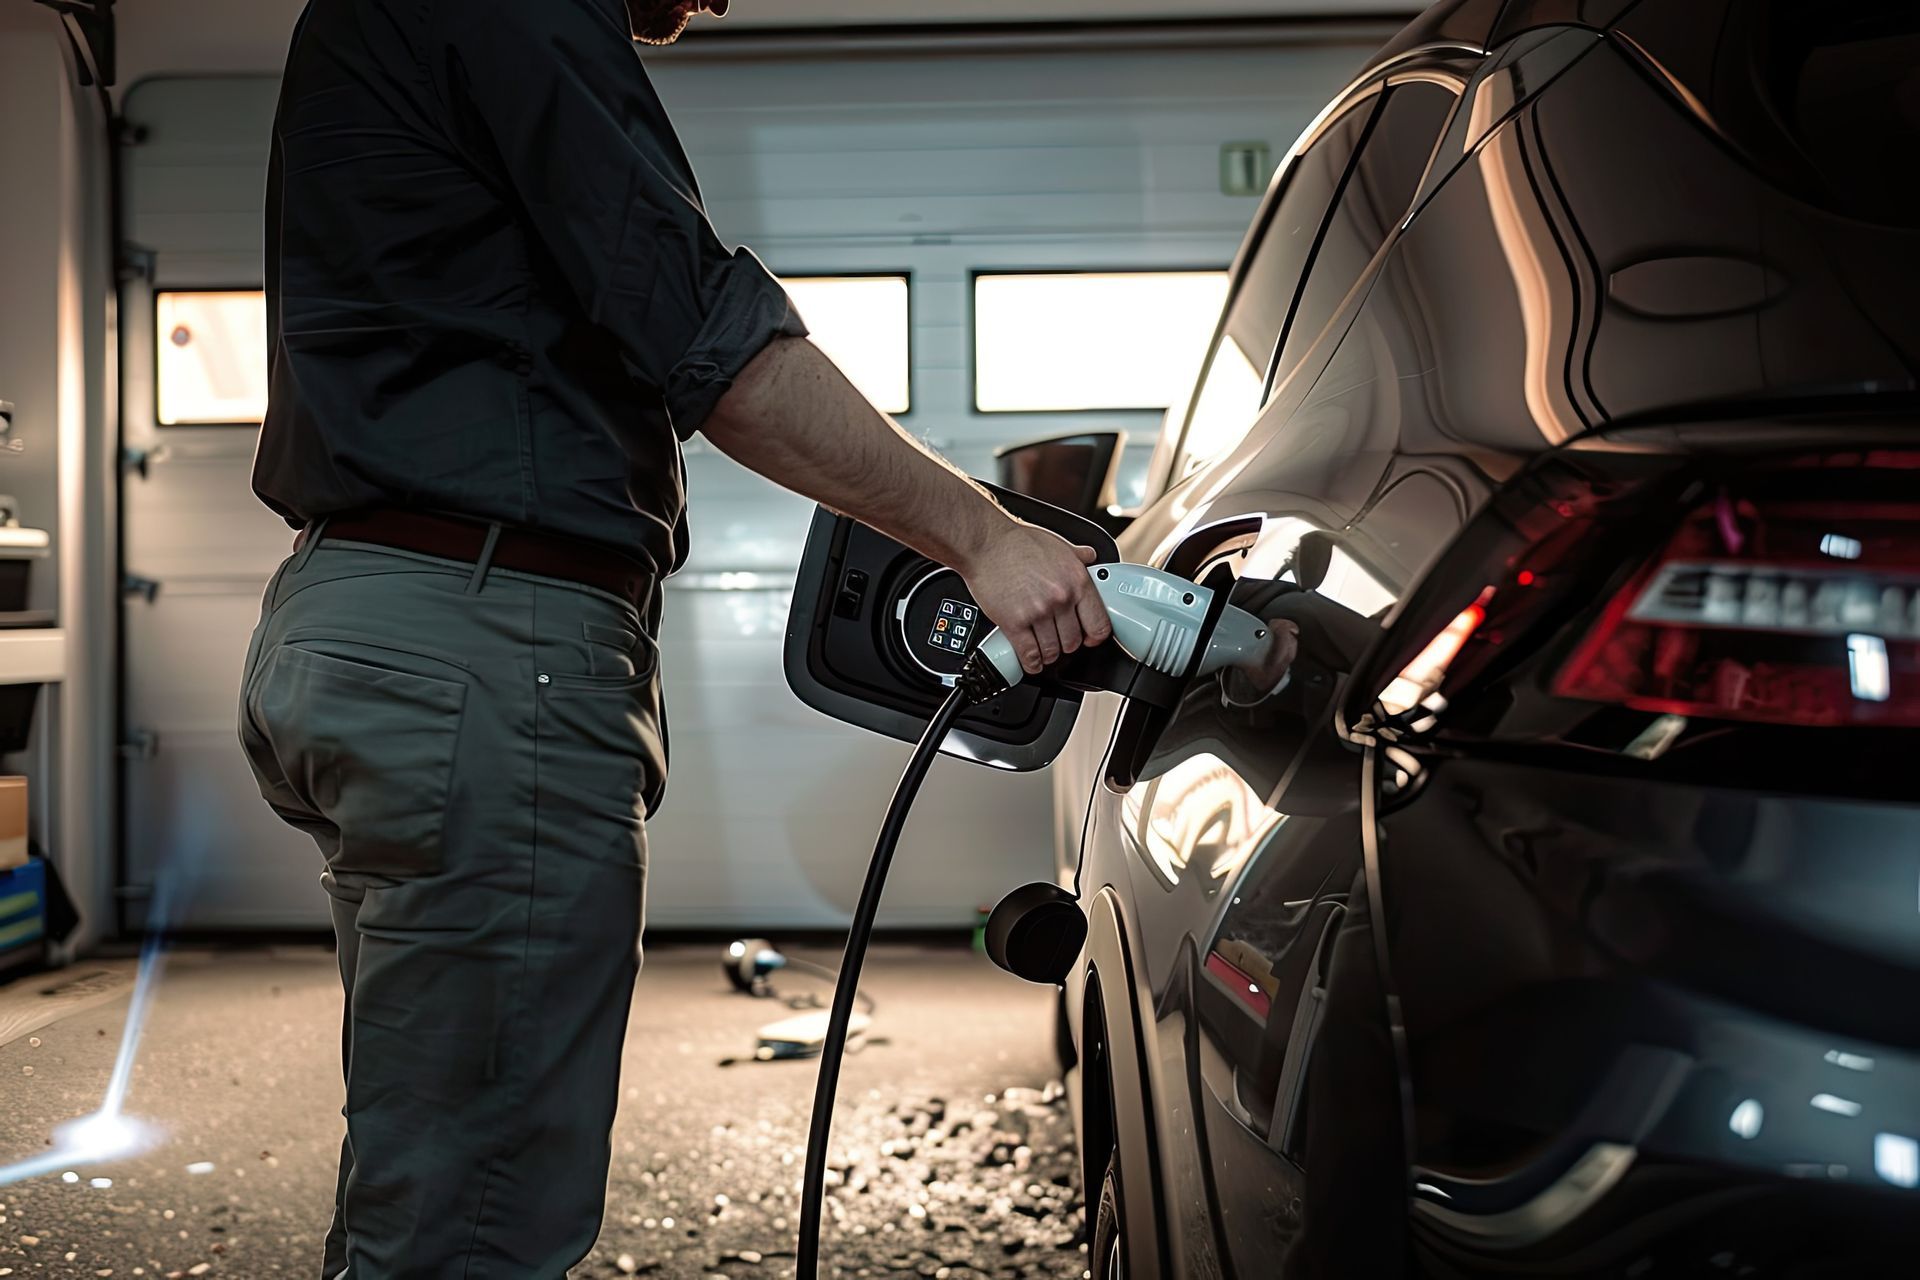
(879, 634)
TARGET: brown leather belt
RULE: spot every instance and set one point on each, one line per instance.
(545, 555)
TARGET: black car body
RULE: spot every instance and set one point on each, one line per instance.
(1564, 917)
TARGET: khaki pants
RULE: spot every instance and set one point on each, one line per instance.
(473, 753)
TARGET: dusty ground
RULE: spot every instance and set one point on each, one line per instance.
(953, 1152)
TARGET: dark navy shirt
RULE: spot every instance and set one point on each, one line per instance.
(492, 288)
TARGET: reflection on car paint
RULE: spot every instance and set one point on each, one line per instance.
(1200, 810)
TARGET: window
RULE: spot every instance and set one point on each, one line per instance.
(864, 325)
(211, 364)
(212, 360)
(1067, 342)
(1376, 197)
(1229, 396)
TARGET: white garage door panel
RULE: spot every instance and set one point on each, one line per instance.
(232, 863)
(1099, 214)
(186, 529)
(187, 658)
(193, 813)
(939, 167)
(771, 802)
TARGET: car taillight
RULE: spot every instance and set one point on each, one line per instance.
(1420, 677)
(1627, 600)
(1769, 609)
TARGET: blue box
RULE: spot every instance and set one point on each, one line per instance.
(23, 907)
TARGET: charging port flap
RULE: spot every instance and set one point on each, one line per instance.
(878, 633)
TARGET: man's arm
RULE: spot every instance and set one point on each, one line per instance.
(561, 98)
(792, 416)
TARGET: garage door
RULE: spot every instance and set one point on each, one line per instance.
(928, 168)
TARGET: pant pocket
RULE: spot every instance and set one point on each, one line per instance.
(617, 653)
(367, 746)
(600, 768)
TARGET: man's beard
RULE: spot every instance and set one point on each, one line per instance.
(659, 21)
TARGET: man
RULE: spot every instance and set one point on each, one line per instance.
(496, 309)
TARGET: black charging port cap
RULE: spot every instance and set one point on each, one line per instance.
(1036, 933)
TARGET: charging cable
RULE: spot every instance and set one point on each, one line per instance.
(846, 989)
(1162, 623)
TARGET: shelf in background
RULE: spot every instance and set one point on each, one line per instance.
(33, 656)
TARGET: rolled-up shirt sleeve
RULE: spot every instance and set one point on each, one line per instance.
(557, 90)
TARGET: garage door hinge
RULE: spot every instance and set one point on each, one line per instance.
(136, 264)
(140, 460)
(134, 585)
(140, 744)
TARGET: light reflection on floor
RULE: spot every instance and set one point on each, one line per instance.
(239, 1079)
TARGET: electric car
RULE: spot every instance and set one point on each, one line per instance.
(1558, 916)
(1557, 913)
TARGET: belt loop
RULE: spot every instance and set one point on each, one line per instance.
(316, 530)
(485, 563)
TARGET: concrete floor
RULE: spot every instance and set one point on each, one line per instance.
(954, 1154)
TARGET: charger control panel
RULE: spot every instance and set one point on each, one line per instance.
(879, 634)
(940, 625)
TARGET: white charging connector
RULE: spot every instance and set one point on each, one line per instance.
(1158, 619)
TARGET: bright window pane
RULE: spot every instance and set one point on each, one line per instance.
(212, 361)
(1062, 343)
(862, 323)
(213, 346)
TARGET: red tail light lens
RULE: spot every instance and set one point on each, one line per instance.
(1769, 610)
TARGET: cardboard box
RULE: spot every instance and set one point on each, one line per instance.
(13, 823)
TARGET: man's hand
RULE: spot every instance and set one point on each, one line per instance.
(1035, 587)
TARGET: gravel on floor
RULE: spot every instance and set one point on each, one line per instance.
(953, 1151)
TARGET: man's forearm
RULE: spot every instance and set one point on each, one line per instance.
(793, 417)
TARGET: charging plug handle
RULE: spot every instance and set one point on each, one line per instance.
(1158, 620)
